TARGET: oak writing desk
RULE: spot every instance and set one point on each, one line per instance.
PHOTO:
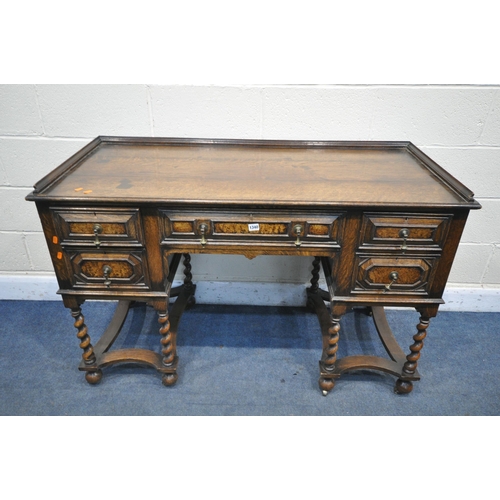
(381, 218)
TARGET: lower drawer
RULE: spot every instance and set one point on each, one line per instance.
(394, 275)
(109, 270)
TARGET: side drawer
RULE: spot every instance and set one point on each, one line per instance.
(393, 275)
(114, 270)
(98, 227)
(405, 231)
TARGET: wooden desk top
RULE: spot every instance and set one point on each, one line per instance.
(277, 173)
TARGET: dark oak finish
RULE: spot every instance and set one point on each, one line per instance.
(381, 219)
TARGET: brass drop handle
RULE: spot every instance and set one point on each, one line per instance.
(203, 230)
(404, 233)
(97, 232)
(297, 229)
(393, 277)
(107, 271)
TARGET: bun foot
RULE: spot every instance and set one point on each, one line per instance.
(326, 385)
(403, 386)
(169, 379)
(93, 377)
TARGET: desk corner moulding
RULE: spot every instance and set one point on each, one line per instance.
(381, 220)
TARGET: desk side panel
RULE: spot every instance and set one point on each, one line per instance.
(449, 251)
(60, 259)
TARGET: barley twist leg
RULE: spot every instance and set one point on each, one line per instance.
(329, 357)
(94, 376)
(168, 347)
(188, 280)
(410, 366)
(315, 274)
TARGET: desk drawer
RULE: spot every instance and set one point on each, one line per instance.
(263, 227)
(98, 227)
(405, 231)
(394, 275)
(109, 270)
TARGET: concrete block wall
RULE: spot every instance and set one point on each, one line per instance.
(42, 125)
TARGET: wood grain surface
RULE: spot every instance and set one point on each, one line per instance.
(242, 173)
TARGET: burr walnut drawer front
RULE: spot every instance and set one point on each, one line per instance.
(297, 229)
(98, 227)
(404, 232)
(113, 270)
(393, 275)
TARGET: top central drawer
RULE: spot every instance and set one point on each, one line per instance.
(250, 226)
